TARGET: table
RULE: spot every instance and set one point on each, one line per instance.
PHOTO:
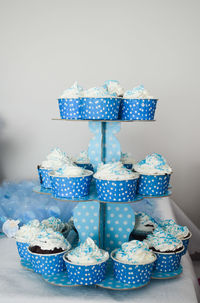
(20, 285)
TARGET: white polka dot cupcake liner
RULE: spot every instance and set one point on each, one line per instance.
(186, 243)
(87, 166)
(153, 185)
(167, 262)
(47, 264)
(70, 108)
(71, 187)
(23, 250)
(132, 273)
(85, 274)
(100, 108)
(44, 177)
(137, 109)
(116, 191)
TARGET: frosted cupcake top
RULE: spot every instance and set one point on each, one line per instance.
(114, 171)
(83, 157)
(87, 253)
(135, 252)
(162, 241)
(143, 222)
(75, 91)
(28, 232)
(56, 159)
(138, 92)
(174, 229)
(55, 223)
(114, 88)
(126, 158)
(153, 164)
(47, 239)
(71, 171)
(97, 92)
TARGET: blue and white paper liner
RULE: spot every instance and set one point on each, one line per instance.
(185, 244)
(71, 187)
(116, 191)
(137, 109)
(100, 108)
(153, 185)
(87, 166)
(132, 273)
(48, 264)
(167, 262)
(44, 177)
(85, 274)
(23, 250)
(70, 108)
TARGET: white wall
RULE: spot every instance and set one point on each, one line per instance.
(46, 45)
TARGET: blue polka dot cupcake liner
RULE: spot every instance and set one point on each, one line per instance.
(116, 191)
(128, 165)
(23, 250)
(137, 109)
(87, 166)
(71, 187)
(153, 185)
(85, 274)
(44, 177)
(167, 262)
(185, 244)
(132, 273)
(47, 264)
(70, 108)
(100, 108)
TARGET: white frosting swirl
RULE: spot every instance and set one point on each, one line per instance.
(28, 232)
(135, 252)
(87, 253)
(83, 158)
(138, 92)
(55, 223)
(114, 171)
(142, 221)
(174, 229)
(96, 92)
(163, 241)
(71, 171)
(153, 164)
(56, 159)
(114, 87)
(47, 239)
(73, 92)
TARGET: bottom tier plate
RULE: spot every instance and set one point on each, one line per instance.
(167, 275)
(60, 280)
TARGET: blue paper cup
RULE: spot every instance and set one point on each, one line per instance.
(70, 108)
(44, 177)
(23, 250)
(100, 108)
(137, 109)
(116, 190)
(167, 262)
(47, 264)
(87, 166)
(71, 187)
(153, 185)
(132, 273)
(185, 243)
(85, 274)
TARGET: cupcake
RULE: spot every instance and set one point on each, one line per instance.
(55, 160)
(70, 104)
(86, 264)
(138, 104)
(154, 175)
(98, 104)
(115, 183)
(57, 225)
(24, 236)
(144, 225)
(127, 160)
(167, 248)
(83, 161)
(47, 250)
(178, 231)
(133, 263)
(70, 182)
(114, 88)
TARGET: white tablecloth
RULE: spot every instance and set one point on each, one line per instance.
(20, 285)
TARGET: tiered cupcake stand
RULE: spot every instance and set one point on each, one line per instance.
(109, 224)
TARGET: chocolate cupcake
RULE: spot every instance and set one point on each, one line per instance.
(144, 225)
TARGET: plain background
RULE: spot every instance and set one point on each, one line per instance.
(47, 45)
